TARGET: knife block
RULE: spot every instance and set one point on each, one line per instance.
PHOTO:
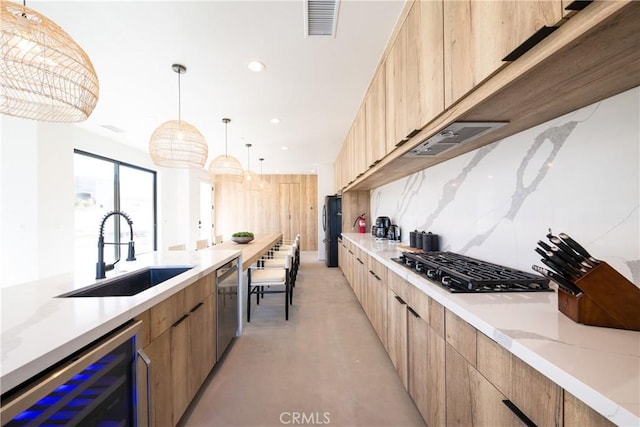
(609, 300)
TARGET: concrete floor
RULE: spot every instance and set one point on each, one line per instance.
(325, 366)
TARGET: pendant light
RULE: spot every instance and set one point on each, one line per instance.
(176, 143)
(265, 187)
(44, 74)
(250, 179)
(225, 168)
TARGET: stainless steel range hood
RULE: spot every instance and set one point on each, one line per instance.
(454, 135)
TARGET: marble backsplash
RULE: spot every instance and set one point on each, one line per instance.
(577, 174)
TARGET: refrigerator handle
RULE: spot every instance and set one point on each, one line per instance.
(324, 218)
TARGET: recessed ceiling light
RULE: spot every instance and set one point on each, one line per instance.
(284, 148)
(257, 66)
(275, 120)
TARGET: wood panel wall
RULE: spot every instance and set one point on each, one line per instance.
(292, 204)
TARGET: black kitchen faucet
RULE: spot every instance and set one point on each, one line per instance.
(101, 267)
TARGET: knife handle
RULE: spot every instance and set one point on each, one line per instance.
(563, 283)
(553, 266)
(566, 258)
(567, 249)
(574, 245)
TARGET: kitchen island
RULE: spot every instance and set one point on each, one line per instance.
(599, 366)
(38, 329)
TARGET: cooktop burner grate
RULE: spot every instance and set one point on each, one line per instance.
(459, 273)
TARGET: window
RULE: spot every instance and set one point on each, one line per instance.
(103, 185)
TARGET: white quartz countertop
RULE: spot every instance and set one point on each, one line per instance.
(600, 366)
(37, 329)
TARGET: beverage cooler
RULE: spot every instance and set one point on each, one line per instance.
(94, 387)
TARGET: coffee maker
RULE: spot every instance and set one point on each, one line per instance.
(382, 227)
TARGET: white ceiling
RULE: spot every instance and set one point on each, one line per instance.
(313, 85)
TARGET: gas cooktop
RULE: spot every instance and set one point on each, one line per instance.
(463, 274)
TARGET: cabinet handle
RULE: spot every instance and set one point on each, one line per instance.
(350, 252)
(376, 276)
(536, 38)
(578, 5)
(360, 261)
(147, 363)
(518, 413)
(180, 320)
(413, 312)
(412, 134)
(372, 273)
(196, 307)
(400, 300)
(401, 142)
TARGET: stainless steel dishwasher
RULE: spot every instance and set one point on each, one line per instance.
(227, 305)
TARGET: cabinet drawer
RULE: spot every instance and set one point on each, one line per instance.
(144, 337)
(461, 336)
(195, 293)
(577, 414)
(436, 317)
(540, 400)
(166, 313)
(378, 269)
(419, 302)
(401, 287)
(494, 362)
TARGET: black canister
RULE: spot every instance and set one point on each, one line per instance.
(430, 242)
(419, 239)
(412, 238)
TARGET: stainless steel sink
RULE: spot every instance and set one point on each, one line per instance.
(129, 284)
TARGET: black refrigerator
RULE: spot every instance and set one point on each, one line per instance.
(332, 226)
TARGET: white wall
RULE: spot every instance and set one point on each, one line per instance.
(577, 174)
(325, 188)
(37, 196)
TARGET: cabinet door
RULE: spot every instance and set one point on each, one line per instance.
(436, 396)
(202, 345)
(180, 392)
(397, 334)
(471, 399)
(159, 352)
(375, 118)
(360, 279)
(424, 64)
(478, 34)
(377, 304)
(360, 142)
(417, 349)
(395, 86)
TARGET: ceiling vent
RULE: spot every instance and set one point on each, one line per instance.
(454, 135)
(320, 17)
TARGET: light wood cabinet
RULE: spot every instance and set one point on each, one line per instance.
(397, 335)
(377, 298)
(375, 119)
(479, 34)
(158, 352)
(577, 414)
(360, 148)
(417, 363)
(471, 399)
(414, 73)
(461, 336)
(180, 348)
(182, 353)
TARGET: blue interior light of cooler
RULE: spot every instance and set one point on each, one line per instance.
(48, 400)
(64, 388)
(27, 415)
(63, 415)
(79, 402)
(81, 377)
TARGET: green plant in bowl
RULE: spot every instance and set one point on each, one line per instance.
(242, 237)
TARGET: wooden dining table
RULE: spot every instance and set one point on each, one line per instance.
(253, 250)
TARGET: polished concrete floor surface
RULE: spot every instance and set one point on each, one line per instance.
(325, 366)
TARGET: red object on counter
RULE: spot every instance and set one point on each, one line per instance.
(362, 223)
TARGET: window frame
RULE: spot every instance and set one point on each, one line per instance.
(116, 193)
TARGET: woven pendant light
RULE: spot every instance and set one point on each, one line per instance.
(250, 179)
(44, 74)
(176, 143)
(225, 168)
(265, 187)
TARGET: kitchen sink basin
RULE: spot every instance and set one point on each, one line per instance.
(130, 284)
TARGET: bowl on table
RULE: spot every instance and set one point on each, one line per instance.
(242, 240)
